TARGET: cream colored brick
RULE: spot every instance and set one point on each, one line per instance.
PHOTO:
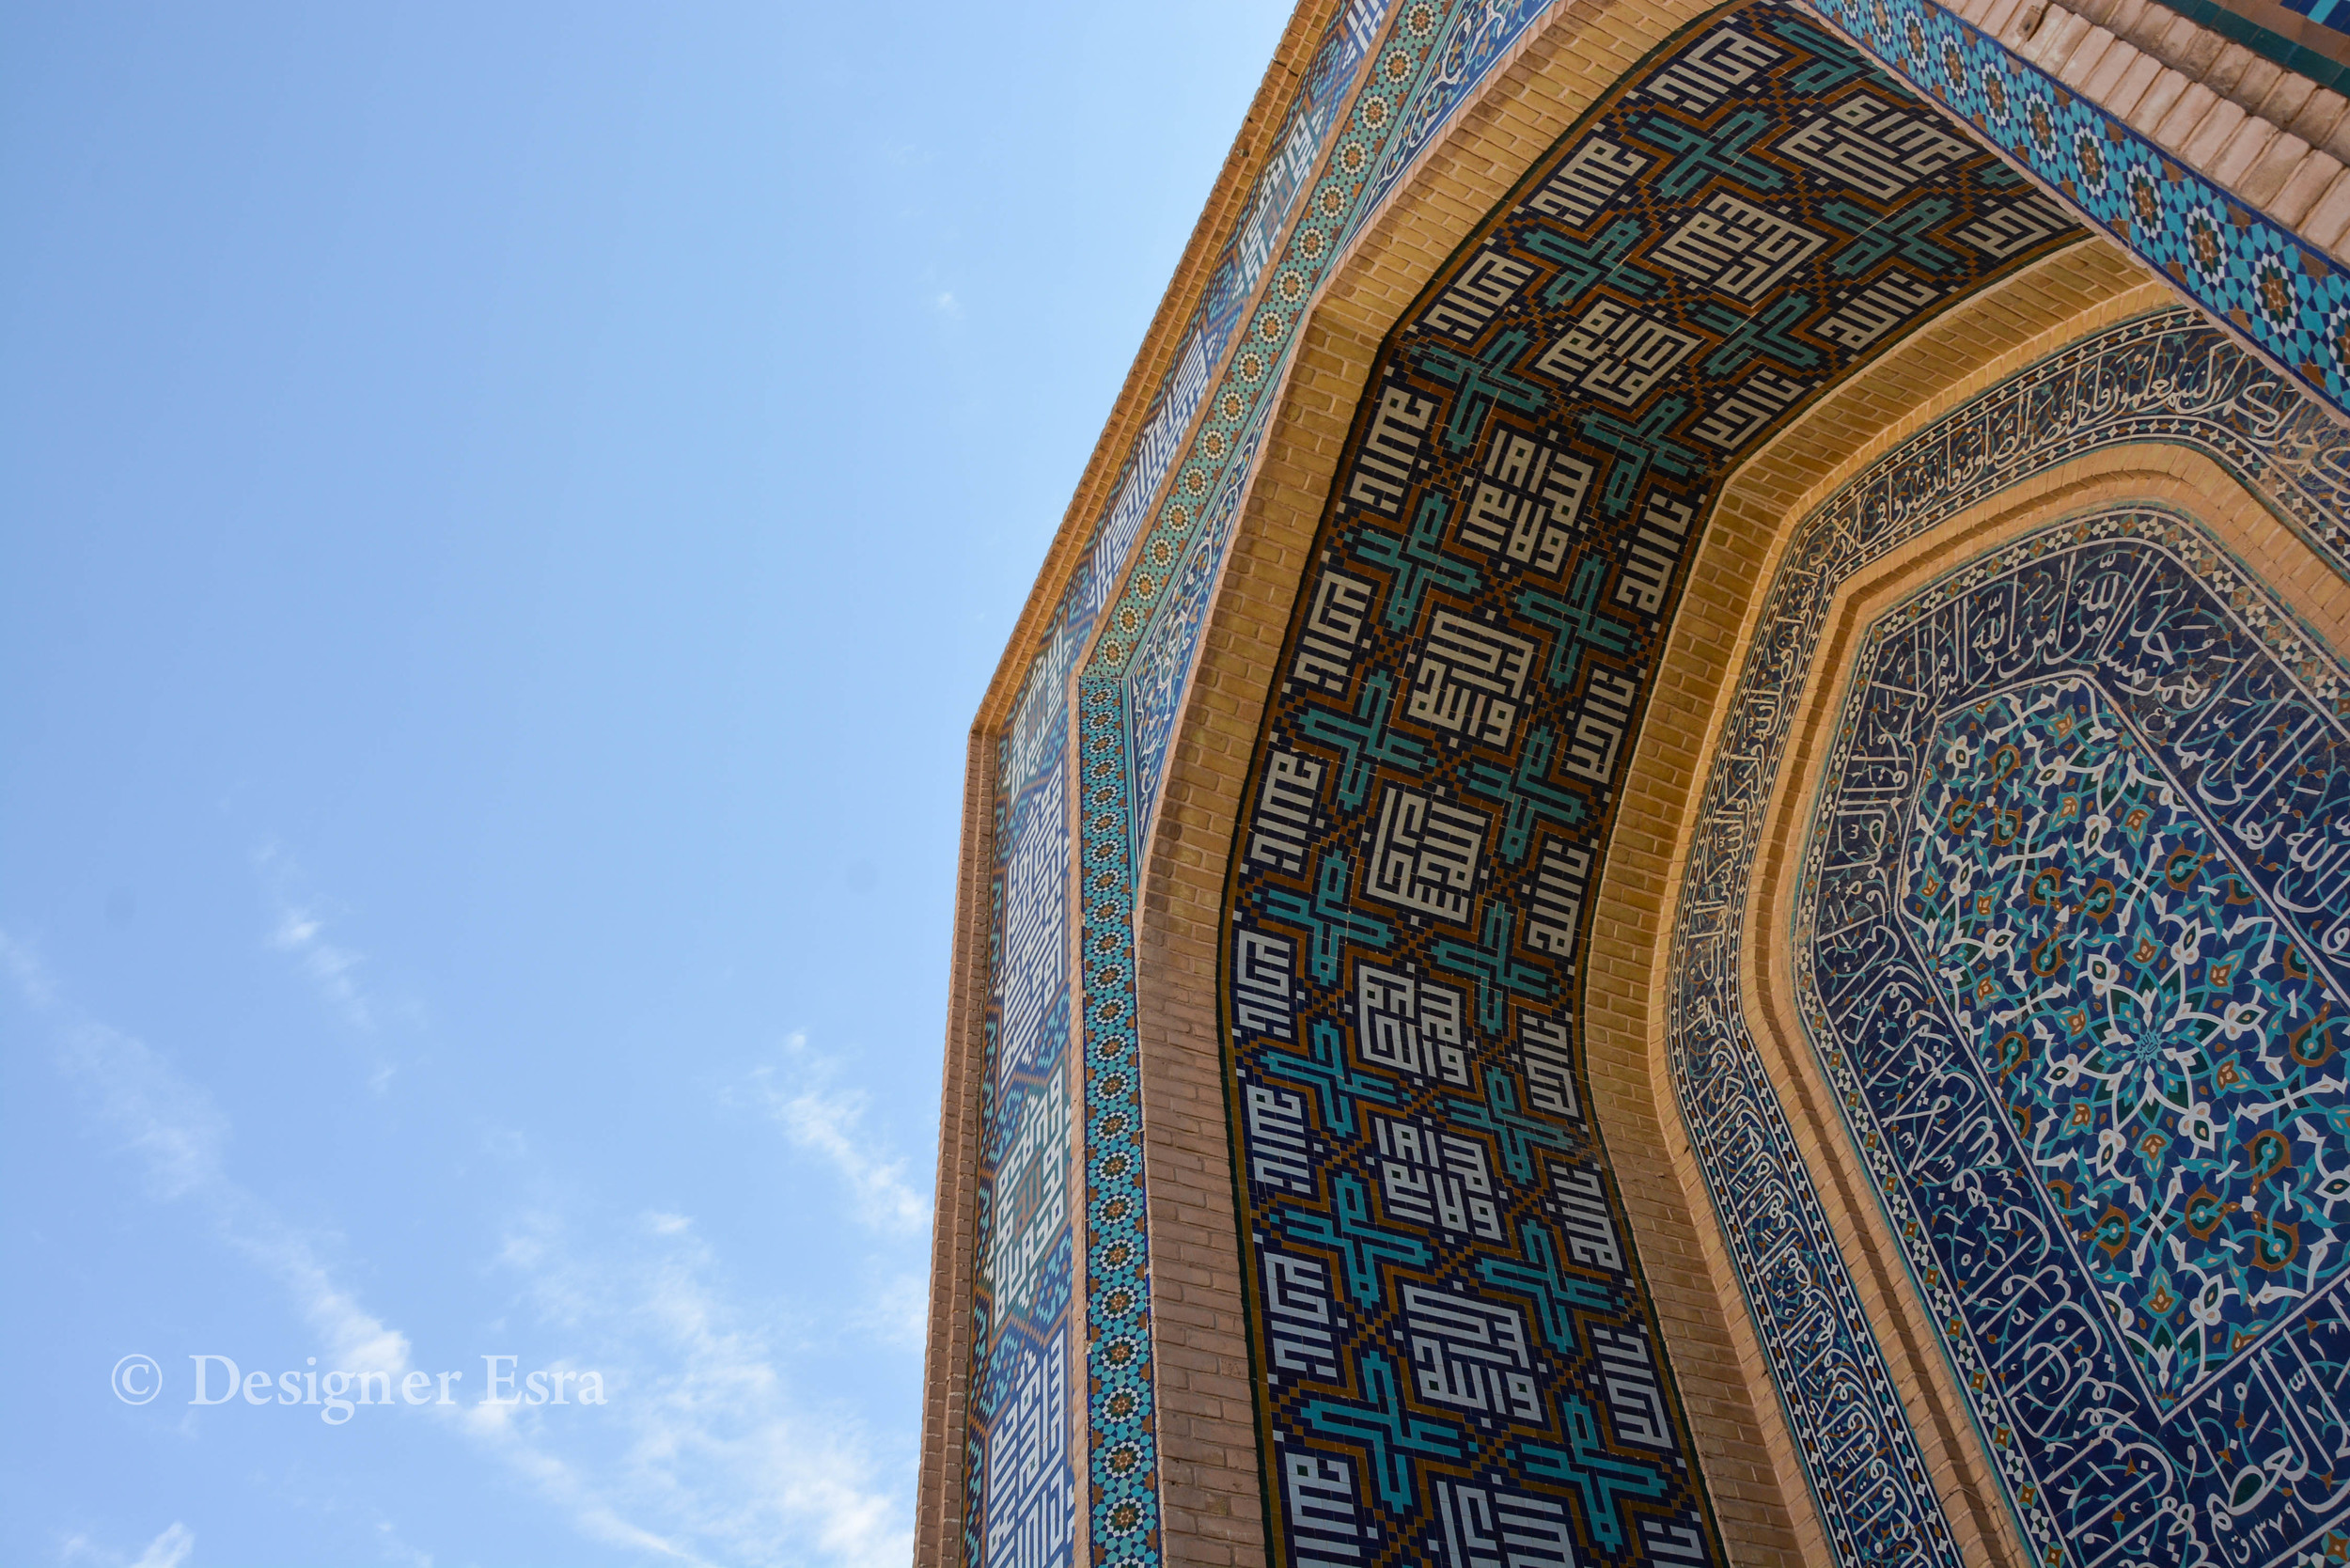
(2187, 117)
(2237, 157)
(2198, 48)
(2085, 57)
(2058, 32)
(2329, 214)
(2126, 94)
(2162, 95)
(2103, 85)
(2319, 114)
(1998, 16)
(2227, 69)
(2024, 24)
(2264, 179)
(2308, 181)
(2259, 83)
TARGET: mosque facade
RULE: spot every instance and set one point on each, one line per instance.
(1661, 873)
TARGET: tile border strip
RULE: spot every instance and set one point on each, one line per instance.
(1030, 743)
(1431, 60)
(2288, 299)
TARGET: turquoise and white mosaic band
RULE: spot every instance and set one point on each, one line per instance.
(1131, 690)
(1019, 1505)
(2290, 300)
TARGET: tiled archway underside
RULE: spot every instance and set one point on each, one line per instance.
(1453, 1341)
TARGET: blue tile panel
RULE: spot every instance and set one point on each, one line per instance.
(2071, 943)
(1021, 1478)
(1436, 59)
(2289, 300)
(1457, 1358)
(2166, 378)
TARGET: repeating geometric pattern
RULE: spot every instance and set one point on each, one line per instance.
(1471, 39)
(1020, 1477)
(1435, 56)
(2167, 378)
(1127, 696)
(2291, 300)
(2071, 938)
(1457, 1357)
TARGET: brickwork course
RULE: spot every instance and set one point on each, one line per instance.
(2273, 138)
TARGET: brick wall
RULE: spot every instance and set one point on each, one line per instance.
(1207, 1421)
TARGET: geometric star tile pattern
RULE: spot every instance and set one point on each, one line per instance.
(2291, 301)
(1456, 1354)
(2166, 378)
(2071, 943)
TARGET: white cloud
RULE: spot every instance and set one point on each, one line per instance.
(148, 1109)
(396, 1550)
(332, 969)
(828, 1123)
(299, 932)
(944, 303)
(717, 1447)
(169, 1549)
(704, 1453)
(180, 1137)
(31, 977)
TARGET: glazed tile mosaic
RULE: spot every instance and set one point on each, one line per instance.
(1402, 115)
(2290, 300)
(1408, 68)
(1457, 1357)
(1020, 1478)
(2072, 940)
(2146, 1497)
(1127, 701)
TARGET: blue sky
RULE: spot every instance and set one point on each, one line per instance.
(506, 515)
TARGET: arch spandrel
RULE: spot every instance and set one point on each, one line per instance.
(1428, 810)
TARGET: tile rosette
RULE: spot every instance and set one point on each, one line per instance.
(2166, 378)
(2069, 941)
